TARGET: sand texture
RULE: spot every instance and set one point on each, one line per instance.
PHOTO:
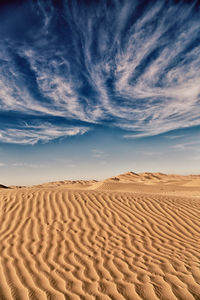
(133, 236)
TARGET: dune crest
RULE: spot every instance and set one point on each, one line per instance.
(154, 178)
(91, 240)
(3, 186)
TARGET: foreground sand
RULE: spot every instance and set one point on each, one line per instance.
(123, 238)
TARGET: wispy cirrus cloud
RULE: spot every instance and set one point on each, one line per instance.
(27, 165)
(31, 134)
(97, 153)
(192, 145)
(134, 64)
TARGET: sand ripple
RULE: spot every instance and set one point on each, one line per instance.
(65, 244)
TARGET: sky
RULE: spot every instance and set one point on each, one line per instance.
(92, 89)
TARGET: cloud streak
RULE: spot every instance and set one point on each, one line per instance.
(135, 65)
(31, 134)
(99, 154)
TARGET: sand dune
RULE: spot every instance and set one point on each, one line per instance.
(157, 178)
(69, 184)
(3, 186)
(117, 239)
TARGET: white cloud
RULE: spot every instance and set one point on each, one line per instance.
(31, 134)
(170, 95)
(151, 153)
(27, 165)
(96, 153)
(192, 145)
(141, 78)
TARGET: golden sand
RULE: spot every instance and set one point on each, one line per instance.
(133, 236)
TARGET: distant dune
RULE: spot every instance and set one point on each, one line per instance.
(146, 178)
(155, 178)
(132, 236)
(3, 186)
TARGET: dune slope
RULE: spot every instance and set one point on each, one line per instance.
(98, 244)
(3, 186)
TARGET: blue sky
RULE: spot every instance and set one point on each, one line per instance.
(90, 89)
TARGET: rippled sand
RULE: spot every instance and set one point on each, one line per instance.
(117, 239)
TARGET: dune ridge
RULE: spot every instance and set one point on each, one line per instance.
(3, 186)
(59, 242)
(157, 178)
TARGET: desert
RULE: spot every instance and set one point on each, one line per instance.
(99, 133)
(132, 236)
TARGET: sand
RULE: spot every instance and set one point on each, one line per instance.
(133, 236)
